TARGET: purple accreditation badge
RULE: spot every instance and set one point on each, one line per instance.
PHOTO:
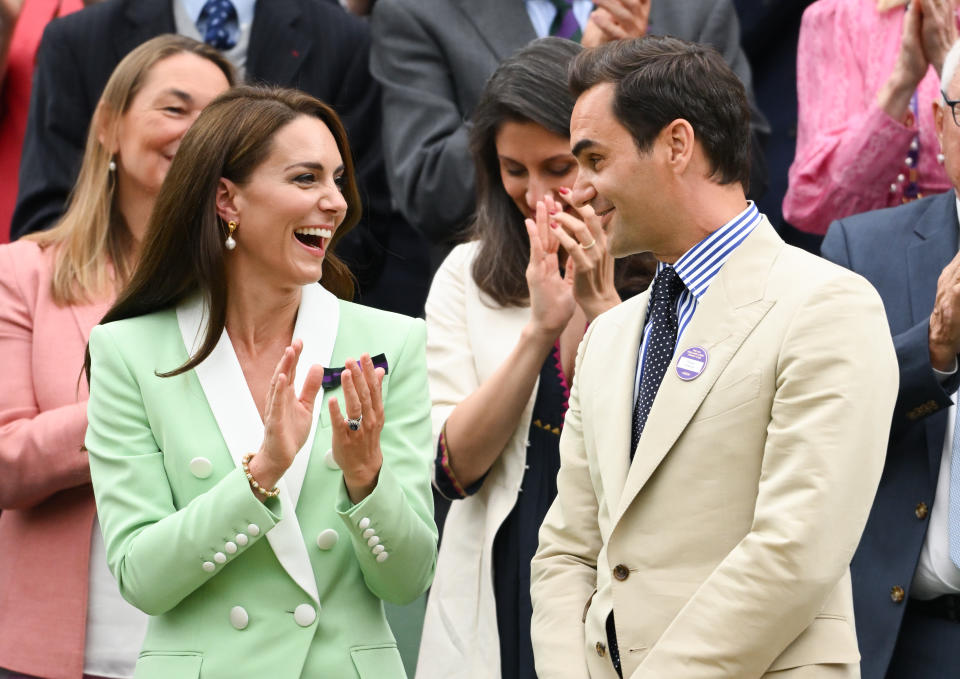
(691, 363)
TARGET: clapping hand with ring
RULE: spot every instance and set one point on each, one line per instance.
(588, 260)
(287, 417)
(356, 429)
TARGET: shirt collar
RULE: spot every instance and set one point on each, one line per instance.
(700, 264)
(244, 9)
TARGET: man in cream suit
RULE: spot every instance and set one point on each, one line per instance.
(727, 429)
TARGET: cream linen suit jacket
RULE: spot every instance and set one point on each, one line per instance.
(724, 548)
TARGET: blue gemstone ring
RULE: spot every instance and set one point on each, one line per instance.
(354, 424)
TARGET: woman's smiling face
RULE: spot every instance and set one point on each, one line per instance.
(289, 209)
(534, 162)
(148, 133)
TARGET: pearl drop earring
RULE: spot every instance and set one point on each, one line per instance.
(230, 243)
(941, 158)
(112, 165)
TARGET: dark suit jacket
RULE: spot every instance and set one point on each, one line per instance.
(901, 251)
(433, 59)
(312, 45)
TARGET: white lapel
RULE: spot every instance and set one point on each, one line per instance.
(317, 323)
(225, 388)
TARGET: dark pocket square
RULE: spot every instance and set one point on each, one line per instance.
(331, 376)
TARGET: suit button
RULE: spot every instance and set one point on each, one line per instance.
(621, 572)
(330, 461)
(921, 510)
(896, 594)
(239, 618)
(327, 539)
(304, 615)
(200, 467)
(601, 649)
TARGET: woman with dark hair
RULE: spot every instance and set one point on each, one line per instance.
(54, 287)
(261, 533)
(503, 326)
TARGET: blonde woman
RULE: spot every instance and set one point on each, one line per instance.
(62, 616)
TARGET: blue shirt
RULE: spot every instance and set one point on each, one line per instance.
(244, 15)
(543, 12)
(697, 268)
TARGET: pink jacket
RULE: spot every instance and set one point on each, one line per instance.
(15, 94)
(45, 492)
(849, 151)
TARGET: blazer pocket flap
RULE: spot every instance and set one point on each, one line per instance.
(377, 662)
(727, 396)
(167, 664)
(828, 640)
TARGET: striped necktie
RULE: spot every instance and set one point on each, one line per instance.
(565, 24)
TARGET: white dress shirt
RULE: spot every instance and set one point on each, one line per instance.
(187, 12)
(936, 573)
(115, 629)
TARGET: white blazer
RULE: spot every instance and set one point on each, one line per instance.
(468, 337)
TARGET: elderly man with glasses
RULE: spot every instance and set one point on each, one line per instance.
(906, 571)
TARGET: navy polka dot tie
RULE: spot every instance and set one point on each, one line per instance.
(667, 288)
(215, 17)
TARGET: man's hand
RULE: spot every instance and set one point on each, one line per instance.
(944, 335)
(938, 29)
(616, 20)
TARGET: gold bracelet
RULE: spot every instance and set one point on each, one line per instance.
(245, 464)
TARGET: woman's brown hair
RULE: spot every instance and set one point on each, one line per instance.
(92, 236)
(184, 249)
(530, 86)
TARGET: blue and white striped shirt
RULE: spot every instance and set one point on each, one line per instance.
(697, 268)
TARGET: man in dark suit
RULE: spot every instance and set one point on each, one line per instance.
(906, 571)
(313, 45)
(433, 58)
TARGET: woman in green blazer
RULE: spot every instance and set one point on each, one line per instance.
(262, 534)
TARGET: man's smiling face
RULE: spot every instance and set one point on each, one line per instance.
(623, 186)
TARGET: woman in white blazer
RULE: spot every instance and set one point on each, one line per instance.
(505, 315)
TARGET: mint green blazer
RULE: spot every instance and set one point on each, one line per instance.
(236, 587)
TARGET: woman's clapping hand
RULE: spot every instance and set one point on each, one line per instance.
(551, 295)
(357, 451)
(287, 417)
(589, 262)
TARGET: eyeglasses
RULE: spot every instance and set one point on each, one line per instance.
(952, 103)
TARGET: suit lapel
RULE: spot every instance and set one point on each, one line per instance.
(144, 20)
(278, 43)
(89, 315)
(725, 316)
(503, 24)
(228, 395)
(619, 348)
(935, 244)
(317, 323)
